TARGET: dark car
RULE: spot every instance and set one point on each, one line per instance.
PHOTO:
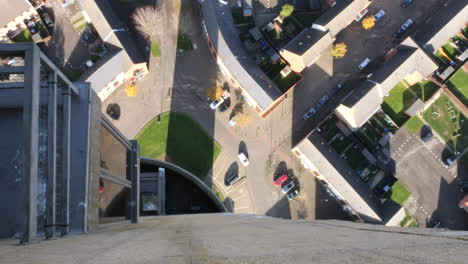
(292, 194)
(225, 105)
(402, 29)
(427, 136)
(232, 179)
(406, 3)
(88, 37)
(450, 159)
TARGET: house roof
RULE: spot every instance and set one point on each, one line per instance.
(436, 31)
(225, 39)
(12, 9)
(341, 177)
(105, 71)
(311, 42)
(367, 98)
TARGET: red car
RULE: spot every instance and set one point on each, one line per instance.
(281, 180)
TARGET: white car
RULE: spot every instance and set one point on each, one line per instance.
(216, 103)
(364, 64)
(379, 15)
(243, 158)
(66, 3)
(288, 187)
(232, 121)
(309, 113)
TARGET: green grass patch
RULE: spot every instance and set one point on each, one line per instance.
(447, 120)
(425, 90)
(413, 224)
(155, 49)
(450, 51)
(78, 20)
(220, 196)
(184, 43)
(284, 84)
(458, 85)
(440, 60)
(414, 124)
(74, 75)
(405, 220)
(24, 36)
(82, 26)
(396, 102)
(95, 58)
(271, 69)
(398, 193)
(183, 140)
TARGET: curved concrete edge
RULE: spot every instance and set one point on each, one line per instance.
(189, 176)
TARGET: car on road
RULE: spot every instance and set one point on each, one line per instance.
(450, 159)
(232, 178)
(379, 15)
(406, 3)
(288, 187)
(281, 180)
(292, 194)
(397, 34)
(364, 64)
(338, 87)
(322, 101)
(243, 158)
(427, 136)
(47, 20)
(309, 113)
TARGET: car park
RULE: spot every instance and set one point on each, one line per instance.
(292, 194)
(309, 113)
(243, 159)
(379, 15)
(364, 64)
(402, 29)
(288, 187)
(406, 3)
(232, 178)
(283, 178)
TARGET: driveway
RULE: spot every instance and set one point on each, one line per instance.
(433, 186)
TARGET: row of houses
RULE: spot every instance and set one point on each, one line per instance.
(122, 63)
(411, 61)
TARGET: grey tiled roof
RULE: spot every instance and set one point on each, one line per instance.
(224, 37)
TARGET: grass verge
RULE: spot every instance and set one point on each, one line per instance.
(182, 140)
(24, 36)
(155, 49)
(398, 193)
(414, 124)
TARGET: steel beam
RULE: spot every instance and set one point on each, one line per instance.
(51, 156)
(30, 141)
(12, 69)
(61, 77)
(65, 177)
(12, 85)
(135, 179)
(105, 174)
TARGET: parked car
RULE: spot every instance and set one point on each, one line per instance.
(338, 87)
(322, 101)
(216, 103)
(232, 121)
(402, 29)
(309, 113)
(243, 158)
(427, 136)
(364, 64)
(293, 194)
(379, 15)
(47, 20)
(225, 105)
(450, 159)
(281, 180)
(66, 3)
(406, 3)
(288, 187)
(232, 178)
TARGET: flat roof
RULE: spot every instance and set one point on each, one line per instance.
(225, 39)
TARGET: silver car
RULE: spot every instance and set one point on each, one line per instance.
(288, 187)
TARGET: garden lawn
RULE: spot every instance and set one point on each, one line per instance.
(424, 90)
(450, 51)
(396, 102)
(155, 50)
(24, 36)
(184, 43)
(183, 141)
(414, 124)
(398, 193)
(458, 84)
(445, 118)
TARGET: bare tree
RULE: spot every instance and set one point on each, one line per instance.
(148, 22)
(215, 92)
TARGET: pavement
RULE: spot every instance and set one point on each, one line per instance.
(434, 186)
